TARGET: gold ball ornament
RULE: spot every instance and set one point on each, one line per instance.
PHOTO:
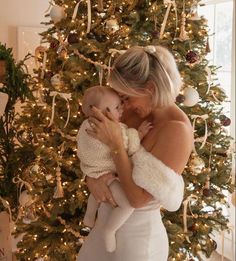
(112, 25)
(25, 199)
(35, 168)
(233, 198)
(196, 164)
(56, 81)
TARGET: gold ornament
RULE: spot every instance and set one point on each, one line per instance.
(56, 81)
(59, 193)
(183, 34)
(196, 164)
(25, 199)
(112, 25)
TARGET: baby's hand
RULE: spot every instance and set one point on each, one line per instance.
(144, 128)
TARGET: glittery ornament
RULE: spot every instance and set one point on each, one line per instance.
(225, 121)
(112, 25)
(192, 57)
(73, 38)
(25, 199)
(196, 164)
(155, 34)
(35, 168)
(206, 192)
(48, 75)
(56, 81)
(180, 98)
(54, 44)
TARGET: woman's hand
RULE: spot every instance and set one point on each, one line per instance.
(100, 190)
(105, 128)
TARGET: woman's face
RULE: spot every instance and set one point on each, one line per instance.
(142, 106)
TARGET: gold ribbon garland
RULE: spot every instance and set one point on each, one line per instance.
(187, 203)
(203, 117)
(65, 96)
(89, 15)
(169, 4)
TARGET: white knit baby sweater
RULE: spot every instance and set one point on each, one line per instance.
(95, 156)
(163, 183)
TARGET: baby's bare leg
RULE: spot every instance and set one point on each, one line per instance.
(90, 215)
(118, 215)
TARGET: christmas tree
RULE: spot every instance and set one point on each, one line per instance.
(14, 87)
(82, 40)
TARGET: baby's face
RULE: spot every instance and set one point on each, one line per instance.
(113, 102)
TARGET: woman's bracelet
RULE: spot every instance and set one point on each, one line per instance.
(116, 150)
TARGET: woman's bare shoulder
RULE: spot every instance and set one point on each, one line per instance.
(174, 143)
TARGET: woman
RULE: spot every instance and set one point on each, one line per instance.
(148, 81)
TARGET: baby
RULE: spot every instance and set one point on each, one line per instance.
(96, 159)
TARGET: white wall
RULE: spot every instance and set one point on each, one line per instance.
(14, 13)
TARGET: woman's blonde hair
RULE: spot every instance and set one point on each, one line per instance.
(93, 97)
(139, 65)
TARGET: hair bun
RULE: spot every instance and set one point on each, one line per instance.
(150, 49)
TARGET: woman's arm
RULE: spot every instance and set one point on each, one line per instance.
(108, 131)
(136, 195)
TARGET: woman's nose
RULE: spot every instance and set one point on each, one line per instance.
(126, 105)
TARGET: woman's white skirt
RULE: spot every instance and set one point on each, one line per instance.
(143, 237)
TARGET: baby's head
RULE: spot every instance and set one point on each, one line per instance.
(102, 98)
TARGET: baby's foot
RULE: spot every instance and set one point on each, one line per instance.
(89, 221)
(110, 241)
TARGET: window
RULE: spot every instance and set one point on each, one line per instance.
(220, 20)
